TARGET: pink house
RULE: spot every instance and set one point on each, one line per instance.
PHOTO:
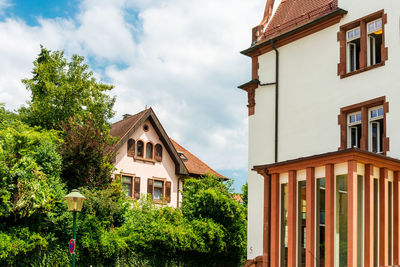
(149, 162)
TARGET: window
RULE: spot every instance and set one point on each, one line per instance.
(341, 221)
(149, 150)
(362, 44)
(131, 185)
(320, 223)
(158, 153)
(139, 149)
(127, 185)
(353, 49)
(159, 189)
(374, 30)
(301, 217)
(284, 225)
(131, 148)
(363, 126)
(354, 130)
(376, 129)
(182, 156)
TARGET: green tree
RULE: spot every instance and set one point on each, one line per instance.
(245, 192)
(86, 153)
(61, 89)
(211, 198)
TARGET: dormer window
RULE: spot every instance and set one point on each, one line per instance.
(182, 156)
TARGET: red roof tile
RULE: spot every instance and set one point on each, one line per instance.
(193, 164)
(292, 14)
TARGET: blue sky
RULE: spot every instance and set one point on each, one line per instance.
(181, 57)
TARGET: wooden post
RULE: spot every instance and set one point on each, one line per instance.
(383, 217)
(329, 215)
(292, 209)
(369, 216)
(352, 231)
(310, 218)
(275, 188)
(396, 218)
(266, 231)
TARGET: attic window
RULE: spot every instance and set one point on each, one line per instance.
(131, 147)
(158, 153)
(182, 156)
(145, 127)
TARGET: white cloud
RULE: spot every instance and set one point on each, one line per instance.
(181, 57)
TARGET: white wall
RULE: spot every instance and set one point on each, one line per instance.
(146, 170)
(310, 97)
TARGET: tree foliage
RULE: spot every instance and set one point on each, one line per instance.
(61, 89)
(86, 153)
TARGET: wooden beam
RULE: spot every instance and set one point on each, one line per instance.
(310, 217)
(329, 215)
(352, 232)
(275, 188)
(267, 218)
(292, 203)
(369, 216)
(396, 218)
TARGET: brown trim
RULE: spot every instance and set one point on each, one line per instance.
(267, 219)
(256, 262)
(292, 215)
(275, 220)
(362, 23)
(352, 232)
(340, 156)
(298, 33)
(383, 218)
(254, 67)
(363, 107)
(162, 200)
(369, 215)
(329, 215)
(310, 217)
(396, 218)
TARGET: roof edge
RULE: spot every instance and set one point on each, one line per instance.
(305, 26)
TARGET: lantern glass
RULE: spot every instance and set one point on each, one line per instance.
(75, 200)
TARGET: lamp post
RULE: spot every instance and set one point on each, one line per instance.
(74, 202)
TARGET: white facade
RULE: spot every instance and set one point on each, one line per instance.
(310, 97)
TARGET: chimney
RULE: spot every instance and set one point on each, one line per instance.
(125, 116)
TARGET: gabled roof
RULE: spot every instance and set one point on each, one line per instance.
(126, 127)
(292, 14)
(194, 165)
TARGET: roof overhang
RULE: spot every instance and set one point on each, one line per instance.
(361, 156)
(295, 34)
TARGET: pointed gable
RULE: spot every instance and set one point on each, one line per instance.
(126, 127)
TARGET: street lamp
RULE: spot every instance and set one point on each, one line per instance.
(74, 202)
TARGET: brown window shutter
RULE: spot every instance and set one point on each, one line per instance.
(137, 188)
(131, 147)
(168, 191)
(150, 187)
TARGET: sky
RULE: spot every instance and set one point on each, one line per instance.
(180, 57)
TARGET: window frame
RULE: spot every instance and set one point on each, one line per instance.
(364, 108)
(364, 61)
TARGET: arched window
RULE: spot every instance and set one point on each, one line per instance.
(149, 150)
(158, 153)
(131, 147)
(139, 148)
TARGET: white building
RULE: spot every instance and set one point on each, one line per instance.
(324, 103)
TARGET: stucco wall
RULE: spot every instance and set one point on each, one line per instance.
(311, 95)
(146, 170)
